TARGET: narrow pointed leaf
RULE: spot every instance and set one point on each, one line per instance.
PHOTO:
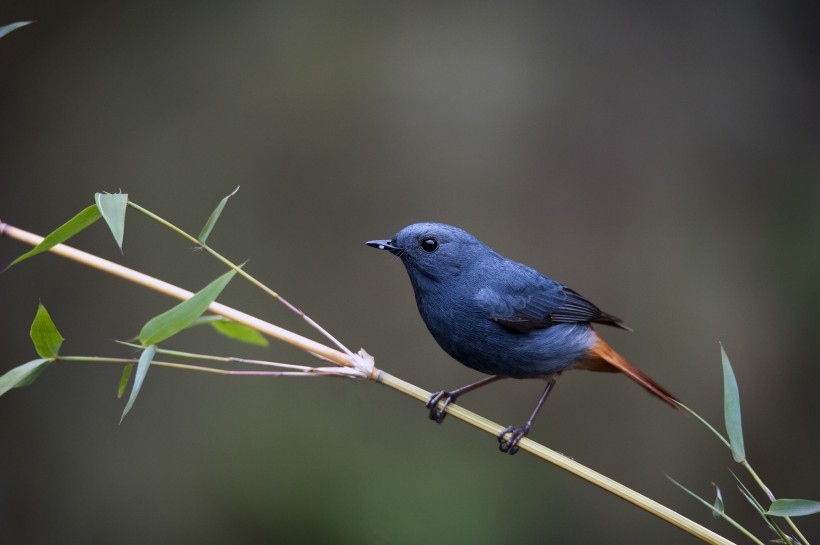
(748, 494)
(731, 409)
(47, 340)
(209, 225)
(760, 510)
(126, 374)
(234, 330)
(14, 26)
(719, 508)
(173, 321)
(793, 508)
(113, 207)
(721, 514)
(240, 332)
(63, 233)
(757, 507)
(701, 500)
(142, 369)
(22, 375)
(206, 319)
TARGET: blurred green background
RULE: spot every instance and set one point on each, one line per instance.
(660, 158)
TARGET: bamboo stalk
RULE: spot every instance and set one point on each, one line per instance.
(384, 378)
(155, 284)
(557, 459)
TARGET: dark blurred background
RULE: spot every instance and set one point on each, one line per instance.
(660, 158)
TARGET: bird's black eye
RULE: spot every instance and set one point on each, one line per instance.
(429, 245)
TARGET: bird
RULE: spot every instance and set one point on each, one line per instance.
(503, 318)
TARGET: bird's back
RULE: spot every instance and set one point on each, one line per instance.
(461, 314)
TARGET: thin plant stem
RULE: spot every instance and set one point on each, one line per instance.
(224, 359)
(244, 274)
(154, 362)
(197, 368)
(705, 423)
(308, 345)
(568, 464)
(745, 463)
(740, 528)
(756, 504)
(748, 467)
(800, 535)
(381, 377)
(771, 497)
(719, 513)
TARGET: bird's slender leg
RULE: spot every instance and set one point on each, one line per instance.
(510, 445)
(437, 413)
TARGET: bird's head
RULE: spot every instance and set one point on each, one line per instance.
(434, 250)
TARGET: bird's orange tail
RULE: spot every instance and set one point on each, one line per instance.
(602, 357)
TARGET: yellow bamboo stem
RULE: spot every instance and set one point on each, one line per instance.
(563, 462)
(384, 378)
(178, 293)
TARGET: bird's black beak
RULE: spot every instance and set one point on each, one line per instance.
(388, 245)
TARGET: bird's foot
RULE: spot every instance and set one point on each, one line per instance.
(510, 444)
(437, 413)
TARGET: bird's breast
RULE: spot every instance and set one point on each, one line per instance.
(469, 335)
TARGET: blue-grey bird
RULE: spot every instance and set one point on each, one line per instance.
(502, 318)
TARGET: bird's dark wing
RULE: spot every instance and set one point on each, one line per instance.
(576, 308)
(524, 300)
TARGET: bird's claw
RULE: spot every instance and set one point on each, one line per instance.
(510, 444)
(438, 413)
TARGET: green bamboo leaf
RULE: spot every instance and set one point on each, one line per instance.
(206, 319)
(22, 375)
(126, 374)
(63, 233)
(755, 504)
(759, 508)
(719, 507)
(113, 207)
(716, 513)
(731, 409)
(142, 369)
(209, 225)
(173, 321)
(14, 26)
(47, 340)
(793, 508)
(748, 494)
(231, 329)
(239, 332)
